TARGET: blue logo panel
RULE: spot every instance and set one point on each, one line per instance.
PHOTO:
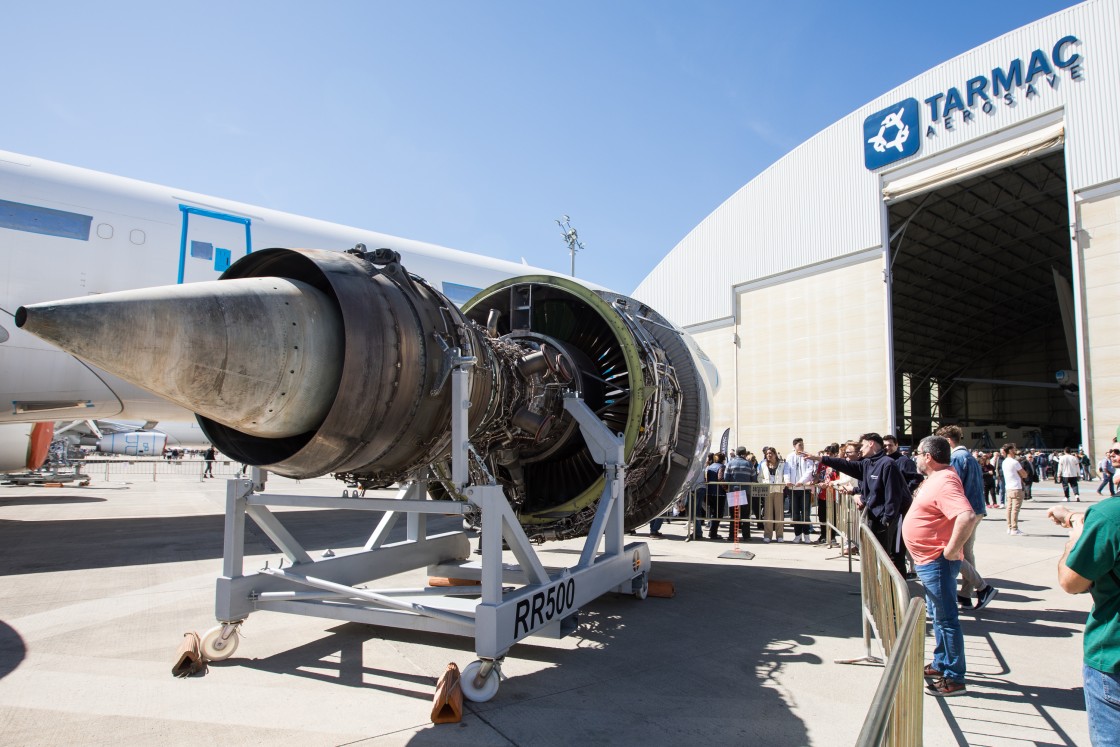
(891, 134)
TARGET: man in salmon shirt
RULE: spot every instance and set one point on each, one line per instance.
(935, 529)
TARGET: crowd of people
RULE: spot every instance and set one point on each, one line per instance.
(923, 510)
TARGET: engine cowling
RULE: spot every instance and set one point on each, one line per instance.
(310, 362)
(24, 446)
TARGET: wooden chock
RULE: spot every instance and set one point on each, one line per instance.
(189, 659)
(662, 589)
(447, 707)
(442, 581)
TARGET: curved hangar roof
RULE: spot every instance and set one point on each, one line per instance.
(1034, 88)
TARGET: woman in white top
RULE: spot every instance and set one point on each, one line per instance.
(773, 513)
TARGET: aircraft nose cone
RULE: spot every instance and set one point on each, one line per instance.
(261, 355)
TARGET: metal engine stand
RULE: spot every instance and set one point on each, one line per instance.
(511, 602)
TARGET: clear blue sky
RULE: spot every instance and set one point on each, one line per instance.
(468, 124)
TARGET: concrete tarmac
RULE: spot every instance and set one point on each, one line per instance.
(98, 584)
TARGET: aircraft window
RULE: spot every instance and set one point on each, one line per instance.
(202, 250)
(47, 221)
(104, 231)
(459, 294)
(137, 237)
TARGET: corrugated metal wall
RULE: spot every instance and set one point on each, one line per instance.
(820, 202)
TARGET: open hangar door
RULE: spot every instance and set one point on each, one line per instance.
(981, 298)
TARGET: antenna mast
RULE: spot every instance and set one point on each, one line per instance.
(571, 238)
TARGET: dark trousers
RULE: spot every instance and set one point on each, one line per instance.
(701, 506)
(800, 502)
(1071, 482)
(717, 507)
(887, 533)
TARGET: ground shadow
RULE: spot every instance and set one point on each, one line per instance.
(49, 546)
(47, 500)
(12, 649)
(625, 651)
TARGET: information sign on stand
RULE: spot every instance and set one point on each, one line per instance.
(736, 499)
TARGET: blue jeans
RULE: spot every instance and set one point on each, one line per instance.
(1102, 703)
(940, 581)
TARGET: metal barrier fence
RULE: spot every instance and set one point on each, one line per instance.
(156, 469)
(883, 594)
(840, 525)
(895, 716)
(888, 611)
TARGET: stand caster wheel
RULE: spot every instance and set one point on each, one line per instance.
(640, 584)
(220, 642)
(489, 687)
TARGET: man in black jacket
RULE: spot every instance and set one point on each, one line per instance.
(884, 494)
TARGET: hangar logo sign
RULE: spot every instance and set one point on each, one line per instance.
(891, 134)
(896, 132)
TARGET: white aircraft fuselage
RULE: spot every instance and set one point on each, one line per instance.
(67, 232)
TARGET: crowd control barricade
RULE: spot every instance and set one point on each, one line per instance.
(895, 716)
(883, 596)
(840, 524)
(157, 469)
(845, 519)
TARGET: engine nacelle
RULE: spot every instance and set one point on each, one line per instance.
(135, 443)
(24, 446)
(310, 362)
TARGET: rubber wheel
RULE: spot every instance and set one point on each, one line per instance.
(641, 586)
(215, 648)
(479, 694)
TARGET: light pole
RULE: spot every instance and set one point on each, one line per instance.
(571, 238)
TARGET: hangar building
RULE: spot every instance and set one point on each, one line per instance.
(946, 253)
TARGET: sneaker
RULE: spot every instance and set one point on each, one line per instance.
(930, 673)
(985, 595)
(766, 540)
(965, 603)
(944, 687)
(797, 539)
(779, 539)
(1015, 532)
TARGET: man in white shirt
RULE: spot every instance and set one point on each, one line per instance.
(1013, 474)
(798, 473)
(1069, 470)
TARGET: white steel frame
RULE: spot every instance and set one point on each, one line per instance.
(513, 601)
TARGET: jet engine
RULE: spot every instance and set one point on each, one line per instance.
(308, 362)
